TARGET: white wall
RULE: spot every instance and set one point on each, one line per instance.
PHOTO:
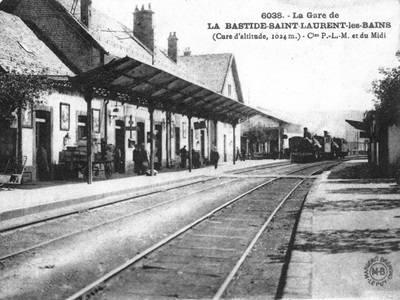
(230, 81)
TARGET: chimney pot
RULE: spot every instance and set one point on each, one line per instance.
(187, 52)
(143, 26)
(86, 8)
(173, 47)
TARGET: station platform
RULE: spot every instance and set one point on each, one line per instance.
(347, 243)
(33, 202)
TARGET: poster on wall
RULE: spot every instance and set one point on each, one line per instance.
(64, 116)
(184, 130)
(27, 117)
(96, 120)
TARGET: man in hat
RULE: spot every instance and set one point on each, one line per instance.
(214, 157)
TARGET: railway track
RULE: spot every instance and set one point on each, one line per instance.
(39, 229)
(202, 259)
(104, 219)
(120, 199)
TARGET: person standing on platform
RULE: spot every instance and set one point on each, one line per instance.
(136, 160)
(183, 153)
(243, 157)
(238, 154)
(42, 163)
(214, 157)
(144, 160)
(117, 159)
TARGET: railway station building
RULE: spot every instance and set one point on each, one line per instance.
(384, 140)
(136, 92)
(266, 135)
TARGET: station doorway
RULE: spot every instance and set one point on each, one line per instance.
(43, 145)
(202, 140)
(158, 146)
(8, 140)
(120, 144)
(140, 133)
(177, 140)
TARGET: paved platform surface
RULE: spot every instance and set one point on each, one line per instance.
(37, 201)
(347, 243)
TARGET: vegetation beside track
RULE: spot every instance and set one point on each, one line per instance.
(356, 171)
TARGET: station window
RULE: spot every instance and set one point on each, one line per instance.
(229, 90)
(82, 131)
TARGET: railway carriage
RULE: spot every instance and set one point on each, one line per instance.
(342, 148)
(309, 148)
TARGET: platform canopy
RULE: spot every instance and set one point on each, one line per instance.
(357, 125)
(147, 85)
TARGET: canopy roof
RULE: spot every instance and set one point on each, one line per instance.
(357, 124)
(148, 85)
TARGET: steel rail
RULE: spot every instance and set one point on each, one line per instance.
(83, 292)
(109, 221)
(236, 268)
(91, 288)
(229, 278)
(99, 206)
(266, 166)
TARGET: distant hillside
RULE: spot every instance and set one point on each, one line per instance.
(319, 121)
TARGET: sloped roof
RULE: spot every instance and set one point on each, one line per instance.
(211, 68)
(10, 6)
(20, 49)
(357, 124)
(208, 70)
(274, 115)
(148, 85)
(116, 38)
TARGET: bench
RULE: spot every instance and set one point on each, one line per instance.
(13, 173)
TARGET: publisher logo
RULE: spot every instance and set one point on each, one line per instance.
(378, 271)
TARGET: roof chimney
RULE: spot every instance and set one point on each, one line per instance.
(86, 12)
(305, 134)
(143, 26)
(187, 52)
(173, 46)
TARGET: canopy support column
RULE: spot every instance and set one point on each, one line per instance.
(215, 134)
(208, 139)
(190, 142)
(151, 112)
(106, 121)
(279, 140)
(234, 142)
(88, 95)
(168, 137)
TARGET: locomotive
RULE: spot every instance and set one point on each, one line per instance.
(309, 148)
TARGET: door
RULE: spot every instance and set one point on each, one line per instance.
(202, 139)
(158, 145)
(8, 140)
(140, 133)
(43, 145)
(177, 140)
(120, 144)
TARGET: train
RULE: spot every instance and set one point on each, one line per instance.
(311, 148)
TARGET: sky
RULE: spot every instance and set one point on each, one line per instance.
(292, 75)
